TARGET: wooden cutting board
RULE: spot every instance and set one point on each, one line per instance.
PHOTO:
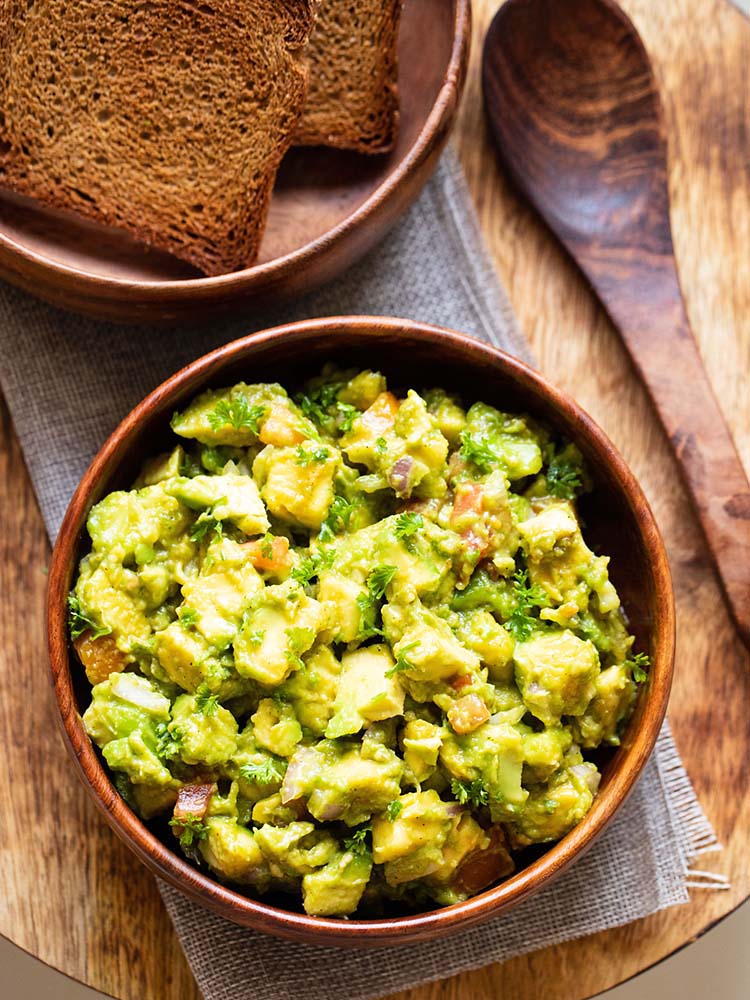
(71, 894)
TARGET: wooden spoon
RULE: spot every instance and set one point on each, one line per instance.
(575, 112)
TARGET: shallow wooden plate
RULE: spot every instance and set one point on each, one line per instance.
(329, 207)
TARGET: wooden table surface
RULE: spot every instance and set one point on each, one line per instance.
(72, 895)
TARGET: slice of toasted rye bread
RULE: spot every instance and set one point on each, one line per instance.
(165, 118)
(352, 100)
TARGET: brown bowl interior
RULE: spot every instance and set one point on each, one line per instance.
(328, 207)
(617, 517)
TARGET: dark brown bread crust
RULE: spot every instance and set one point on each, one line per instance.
(167, 119)
(352, 99)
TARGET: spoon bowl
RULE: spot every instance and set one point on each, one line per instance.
(575, 113)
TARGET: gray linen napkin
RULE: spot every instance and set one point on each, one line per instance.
(68, 381)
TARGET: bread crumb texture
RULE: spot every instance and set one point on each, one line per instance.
(353, 96)
(165, 118)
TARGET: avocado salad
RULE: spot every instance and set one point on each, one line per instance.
(351, 645)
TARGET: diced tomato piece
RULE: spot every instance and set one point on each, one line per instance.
(100, 657)
(276, 560)
(468, 500)
(280, 428)
(460, 681)
(381, 416)
(468, 714)
(482, 868)
(193, 801)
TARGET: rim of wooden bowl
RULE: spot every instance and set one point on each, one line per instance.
(412, 171)
(255, 913)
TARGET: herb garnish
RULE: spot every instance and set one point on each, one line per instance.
(357, 843)
(368, 603)
(79, 621)
(521, 622)
(563, 478)
(339, 515)
(238, 413)
(203, 526)
(191, 829)
(476, 449)
(205, 702)
(188, 617)
(270, 771)
(402, 663)
(638, 665)
(473, 793)
(304, 458)
(393, 809)
(407, 525)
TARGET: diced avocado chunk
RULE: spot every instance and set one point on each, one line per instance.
(297, 849)
(553, 809)
(313, 690)
(227, 497)
(203, 737)
(543, 752)
(365, 693)
(421, 741)
(464, 839)
(231, 416)
(506, 439)
(430, 650)
(343, 780)
(336, 889)
(280, 626)
(297, 482)
(494, 755)
(401, 443)
(276, 727)
(562, 564)
(231, 851)
(216, 599)
(556, 674)
(134, 757)
(480, 632)
(410, 846)
(164, 466)
(189, 660)
(449, 416)
(614, 696)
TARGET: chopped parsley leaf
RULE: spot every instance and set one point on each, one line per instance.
(407, 525)
(402, 663)
(203, 526)
(188, 617)
(338, 518)
(205, 702)
(79, 621)
(563, 478)
(473, 793)
(270, 771)
(393, 809)
(477, 451)
(304, 458)
(357, 843)
(190, 829)
(639, 665)
(238, 413)
(522, 622)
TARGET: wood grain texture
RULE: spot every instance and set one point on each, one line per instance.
(574, 109)
(111, 931)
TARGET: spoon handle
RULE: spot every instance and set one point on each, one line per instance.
(650, 314)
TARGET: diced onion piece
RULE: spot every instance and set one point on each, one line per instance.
(400, 475)
(193, 801)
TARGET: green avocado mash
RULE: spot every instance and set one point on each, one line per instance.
(353, 646)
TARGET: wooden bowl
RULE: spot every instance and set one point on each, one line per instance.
(328, 208)
(617, 517)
